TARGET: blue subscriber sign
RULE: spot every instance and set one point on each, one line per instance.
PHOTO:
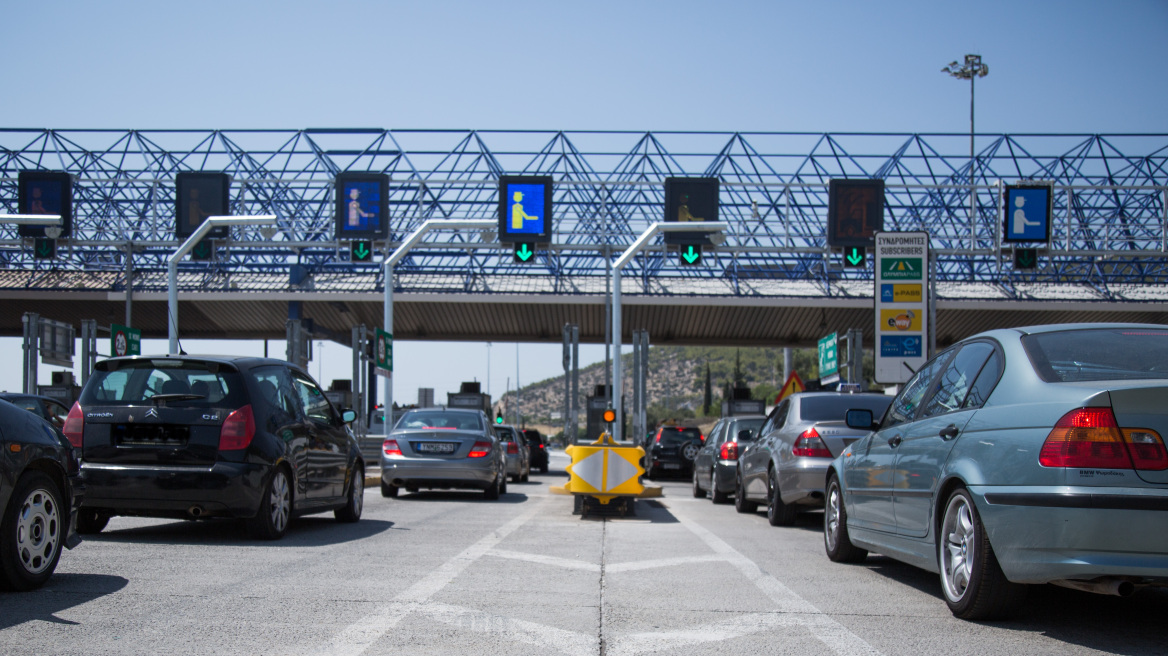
(525, 209)
(1028, 213)
(900, 346)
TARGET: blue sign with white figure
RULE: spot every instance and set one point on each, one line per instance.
(525, 209)
(1028, 210)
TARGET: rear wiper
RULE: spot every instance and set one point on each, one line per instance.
(175, 397)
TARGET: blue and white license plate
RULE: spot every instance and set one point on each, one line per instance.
(435, 447)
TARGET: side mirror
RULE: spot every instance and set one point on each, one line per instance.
(348, 416)
(861, 419)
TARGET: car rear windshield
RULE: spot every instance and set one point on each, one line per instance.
(1099, 354)
(671, 436)
(447, 420)
(184, 383)
(747, 424)
(832, 408)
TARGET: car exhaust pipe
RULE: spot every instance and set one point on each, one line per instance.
(397, 482)
(195, 511)
(1113, 587)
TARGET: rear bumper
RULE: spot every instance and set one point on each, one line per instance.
(77, 494)
(476, 474)
(802, 479)
(1042, 534)
(725, 476)
(228, 489)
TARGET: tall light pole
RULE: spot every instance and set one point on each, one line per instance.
(972, 69)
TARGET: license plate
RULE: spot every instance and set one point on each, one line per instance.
(435, 447)
(671, 465)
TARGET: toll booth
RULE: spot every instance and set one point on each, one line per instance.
(340, 394)
(63, 389)
(594, 415)
(469, 395)
(741, 404)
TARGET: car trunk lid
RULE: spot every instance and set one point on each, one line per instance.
(837, 436)
(152, 435)
(1143, 407)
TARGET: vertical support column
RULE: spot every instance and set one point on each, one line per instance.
(88, 348)
(932, 307)
(575, 381)
(636, 409)
(32, 334)
(567, 362)
(357, 339)
(129, 282)
(855, 355)
(786, 363)
(643, 389)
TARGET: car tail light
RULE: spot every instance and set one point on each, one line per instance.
(810, 445)
(658, 440)
(390, 448)
(1146, 448)
(512, 448)
(74, 426)
(237, 430)
(479, 450)
(729, 451)
(1087, 437)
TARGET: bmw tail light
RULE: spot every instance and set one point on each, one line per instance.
(729, 451)
(479, 450)
(390, 448)
(1087, 437)
(1146, 448)
(237, 430)
(512, 448)
(810, 445)
(74, 426)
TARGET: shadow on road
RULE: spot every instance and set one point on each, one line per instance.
(311, 531)
(63, 591)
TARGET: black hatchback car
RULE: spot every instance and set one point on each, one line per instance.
(40, 490)
(672, 451)
(206, 436)
(537, 445)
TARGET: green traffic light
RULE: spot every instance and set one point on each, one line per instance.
(498, 419)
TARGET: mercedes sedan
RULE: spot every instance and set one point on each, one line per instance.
(1014, 457)
(441, 448)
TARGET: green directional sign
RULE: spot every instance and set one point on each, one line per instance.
(854, 256)
(691, 255)
(383, 350)
(524, 251)
(125, 340)
(1025, 259)
(360, 251)
(204, 250)
(902, 268)
(829, 358)
(44, 249)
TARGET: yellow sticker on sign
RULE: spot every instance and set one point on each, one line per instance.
(894, 293)
(900, 320)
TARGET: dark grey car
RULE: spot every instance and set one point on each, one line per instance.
(716, 465)
(785, 467)
(443, 448)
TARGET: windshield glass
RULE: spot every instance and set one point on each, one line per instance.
(1099, 354)
(671, 436)
(832, 408)
(184, 383)
(751, 425)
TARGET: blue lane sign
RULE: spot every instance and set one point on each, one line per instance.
(1028, 211)
(525, 209)
(900, 346)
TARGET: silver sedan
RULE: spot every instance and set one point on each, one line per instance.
(1020, 456)
(438, 448)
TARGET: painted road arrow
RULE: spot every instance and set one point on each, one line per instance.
(690, 255)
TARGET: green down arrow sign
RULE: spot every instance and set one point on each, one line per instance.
(691, 255)
(361, 251)
(523, 252)
(854, 256)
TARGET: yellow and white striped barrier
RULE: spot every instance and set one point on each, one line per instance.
(606, 471)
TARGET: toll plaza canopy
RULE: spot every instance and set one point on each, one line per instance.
(784, 272)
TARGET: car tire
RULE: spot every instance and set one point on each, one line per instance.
(516, 478)
(836, 542)
(716, 495)
(740, 503)
(543, 469)
(503, 486)
(388, 491)
(32, 532)
(91, 522)
(698, 492)
(779, 513)
(275, 511)
(355, 501)
(971, 579)
(493, 492)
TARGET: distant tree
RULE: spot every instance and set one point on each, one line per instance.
(709, 399)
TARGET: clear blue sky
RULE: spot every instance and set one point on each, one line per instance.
(1066, 66)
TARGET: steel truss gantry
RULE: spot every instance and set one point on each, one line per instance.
(1110, 228)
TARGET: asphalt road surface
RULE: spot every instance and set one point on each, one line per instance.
(450, 573)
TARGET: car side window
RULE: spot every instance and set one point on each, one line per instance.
(985, 382)
(717, 435)
(316, 405)
(904, 407)
(275, 386)
(955, 381)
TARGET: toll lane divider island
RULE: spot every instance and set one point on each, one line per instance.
(602, 472)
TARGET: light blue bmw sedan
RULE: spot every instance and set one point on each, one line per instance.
(1014, 457)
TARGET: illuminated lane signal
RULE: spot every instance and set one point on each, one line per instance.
(854, 256)
(203, 251)
(44, 249)
(691, 255)
(524, 251)
(499, 417)
(360, 250)
(1025, 259)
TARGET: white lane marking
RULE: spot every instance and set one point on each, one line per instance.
(358, 637)
(669, 641)
(567, 563)
(828, 631)
(572, 643)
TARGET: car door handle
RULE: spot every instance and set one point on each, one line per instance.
(949, 432)
(894, 441)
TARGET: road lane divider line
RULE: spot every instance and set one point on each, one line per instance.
(359, 636)
(633, 566)
(564, 641)
(540, 559)
(831, 633)
(667, 641)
